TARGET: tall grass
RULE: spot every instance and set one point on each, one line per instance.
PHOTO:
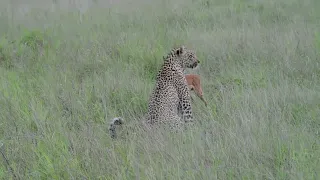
(67, 69)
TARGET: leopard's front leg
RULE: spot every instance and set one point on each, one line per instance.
(184, 98)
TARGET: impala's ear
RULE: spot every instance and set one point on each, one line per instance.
(180, 50)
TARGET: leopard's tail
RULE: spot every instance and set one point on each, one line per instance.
(117, 121)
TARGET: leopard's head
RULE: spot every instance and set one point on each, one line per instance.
(187, 57)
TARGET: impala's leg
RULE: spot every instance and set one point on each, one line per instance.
(191, 87)
(198, 90)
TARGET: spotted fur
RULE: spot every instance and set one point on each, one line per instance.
(170, 101)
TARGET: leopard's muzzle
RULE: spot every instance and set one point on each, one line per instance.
(195, 64)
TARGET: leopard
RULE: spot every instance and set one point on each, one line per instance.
(170, 101)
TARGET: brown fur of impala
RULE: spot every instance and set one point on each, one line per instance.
(194, 84)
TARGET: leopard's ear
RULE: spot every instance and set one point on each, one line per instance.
(180, 50)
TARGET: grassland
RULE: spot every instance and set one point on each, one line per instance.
(66, 70)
